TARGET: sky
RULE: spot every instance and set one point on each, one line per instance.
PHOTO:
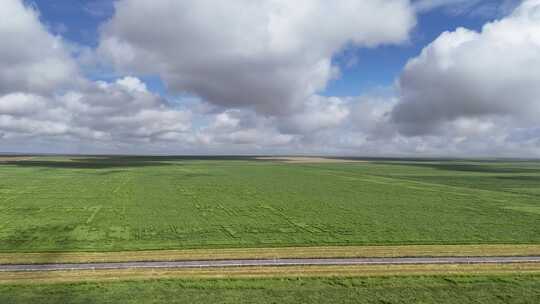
(422, 78)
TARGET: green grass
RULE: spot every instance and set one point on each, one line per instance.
(128, 203)
(440, 290)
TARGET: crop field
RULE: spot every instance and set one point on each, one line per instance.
(449, 289)
(143, 203)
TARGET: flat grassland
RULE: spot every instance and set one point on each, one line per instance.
(254, 272)
(146, 203)
(441, 290)
(272, 253)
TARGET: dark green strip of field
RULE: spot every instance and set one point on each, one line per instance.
(137, 203)
(440, 290)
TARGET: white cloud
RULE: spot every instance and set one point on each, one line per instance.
(132, 84)
(257, 68)
(21, 104)
(101, 111)
(319, 113)
(31, 59)
(465, 74)
(267, 55)
(43, 96)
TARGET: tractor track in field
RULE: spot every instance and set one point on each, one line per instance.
(271, 262)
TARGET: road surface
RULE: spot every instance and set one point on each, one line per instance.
(274, 262)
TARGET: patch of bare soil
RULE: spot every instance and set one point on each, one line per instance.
(308, 159)
(14, 158)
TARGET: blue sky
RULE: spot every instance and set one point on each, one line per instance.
(75, 20)
(381, 66)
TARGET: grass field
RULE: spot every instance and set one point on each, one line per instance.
(253, 272)
(447, 289)
(141, 203)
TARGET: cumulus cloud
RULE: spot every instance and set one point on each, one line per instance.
(259, 64)
(125, 110)
(21, 104)
(267, 55)
(318, 113)
(492, 74)
(121, 111)
(242, 128)
(256, 69)
(31, 59)
(42, 93)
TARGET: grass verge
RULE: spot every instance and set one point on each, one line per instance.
(505, 289)
(45, 277)
(270, 253)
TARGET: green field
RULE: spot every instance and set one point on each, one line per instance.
(134, 203)
(440, 290)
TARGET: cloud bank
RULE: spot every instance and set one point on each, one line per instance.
(476, 82)
(254, 73)
(267, 55)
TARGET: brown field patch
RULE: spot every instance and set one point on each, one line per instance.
(14, 158)
(272, 253)
(309, 159)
